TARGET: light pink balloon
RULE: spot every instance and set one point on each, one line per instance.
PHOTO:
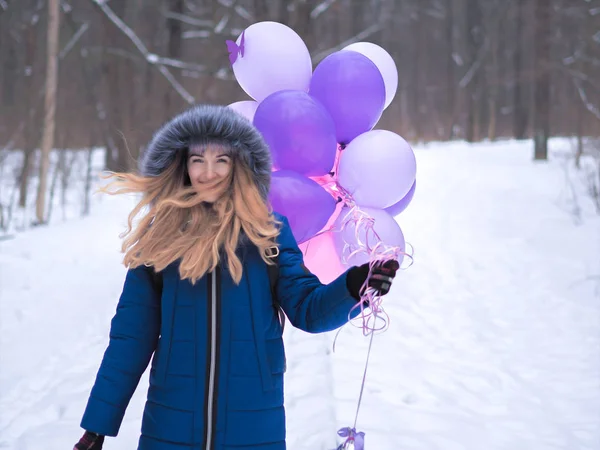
(275, 58)
(246, 108)
(377, 168)
(384, 62)
(321, 257)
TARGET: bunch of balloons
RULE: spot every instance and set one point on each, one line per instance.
(328, 161)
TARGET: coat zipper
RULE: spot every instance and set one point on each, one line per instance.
(212, 358)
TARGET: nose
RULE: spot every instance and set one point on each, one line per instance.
(210, 173)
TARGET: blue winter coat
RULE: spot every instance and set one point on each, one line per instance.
(216, 380)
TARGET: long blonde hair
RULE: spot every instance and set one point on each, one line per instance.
(175, 224)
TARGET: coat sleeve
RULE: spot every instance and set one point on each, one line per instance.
(134, 333)
(309, 304)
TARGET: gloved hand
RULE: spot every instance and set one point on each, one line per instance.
(90, 441)
(381, 278)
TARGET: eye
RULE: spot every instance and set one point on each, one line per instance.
(223, 160)
(196, 160)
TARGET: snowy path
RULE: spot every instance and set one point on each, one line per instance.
(494, 343)
(495, 339)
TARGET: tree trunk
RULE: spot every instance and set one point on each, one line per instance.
(520, 114)
(49, 105)
(474, 42)
(494, 78)
(450, 80)
(31, 135)
(542, 79)
(174, 43)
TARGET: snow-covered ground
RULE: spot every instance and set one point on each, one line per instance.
(494, 342)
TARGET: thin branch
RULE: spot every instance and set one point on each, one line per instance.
(192, 34)
(163, 61)
(466, 79)
(244, 13)
(84, 27)
(178, 87)
(321, 8)
(239, 10)
(359, 37)
(149, 57)
(112, 51)
(189, 20)
(588, 105)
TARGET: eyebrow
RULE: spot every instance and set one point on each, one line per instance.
(201, 155)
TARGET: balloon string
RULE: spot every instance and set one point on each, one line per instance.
(364, 378)
(365, 240)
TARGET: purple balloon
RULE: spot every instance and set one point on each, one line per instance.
(351, 88)
(303, 201)
(397, 208)
(299, 131)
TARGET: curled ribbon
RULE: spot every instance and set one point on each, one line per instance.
(357, 439)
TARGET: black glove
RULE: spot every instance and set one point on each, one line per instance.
(90, 441)
(381, 278)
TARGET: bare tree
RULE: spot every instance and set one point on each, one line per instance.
(542, 82)
(49, 105)
(521, 107)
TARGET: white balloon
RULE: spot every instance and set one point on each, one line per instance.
(246, 108)
(384, 62)
(275, 58)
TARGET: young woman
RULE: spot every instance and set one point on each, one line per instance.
(198, 298)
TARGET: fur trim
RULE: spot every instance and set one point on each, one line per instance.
(210, 123)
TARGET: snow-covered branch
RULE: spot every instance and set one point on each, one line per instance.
(149, 57)
(84, 27)
(239, 10)
(189, 20)
(321, 8)
(466, 79)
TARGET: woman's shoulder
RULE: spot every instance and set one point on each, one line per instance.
(281, 219)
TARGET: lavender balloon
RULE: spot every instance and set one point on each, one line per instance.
(246, 108)
(397, 208)
(384, 62)
(385, 226)
(299, 131)
(352, 89)
(378, 168)
(268, 57)
(307, 205)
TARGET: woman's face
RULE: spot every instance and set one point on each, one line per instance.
(207, 168)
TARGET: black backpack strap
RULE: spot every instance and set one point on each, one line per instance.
(273, 271)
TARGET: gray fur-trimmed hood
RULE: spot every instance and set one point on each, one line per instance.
(206, 123)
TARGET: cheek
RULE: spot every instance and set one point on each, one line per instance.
(224, 170)
(192, 173)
